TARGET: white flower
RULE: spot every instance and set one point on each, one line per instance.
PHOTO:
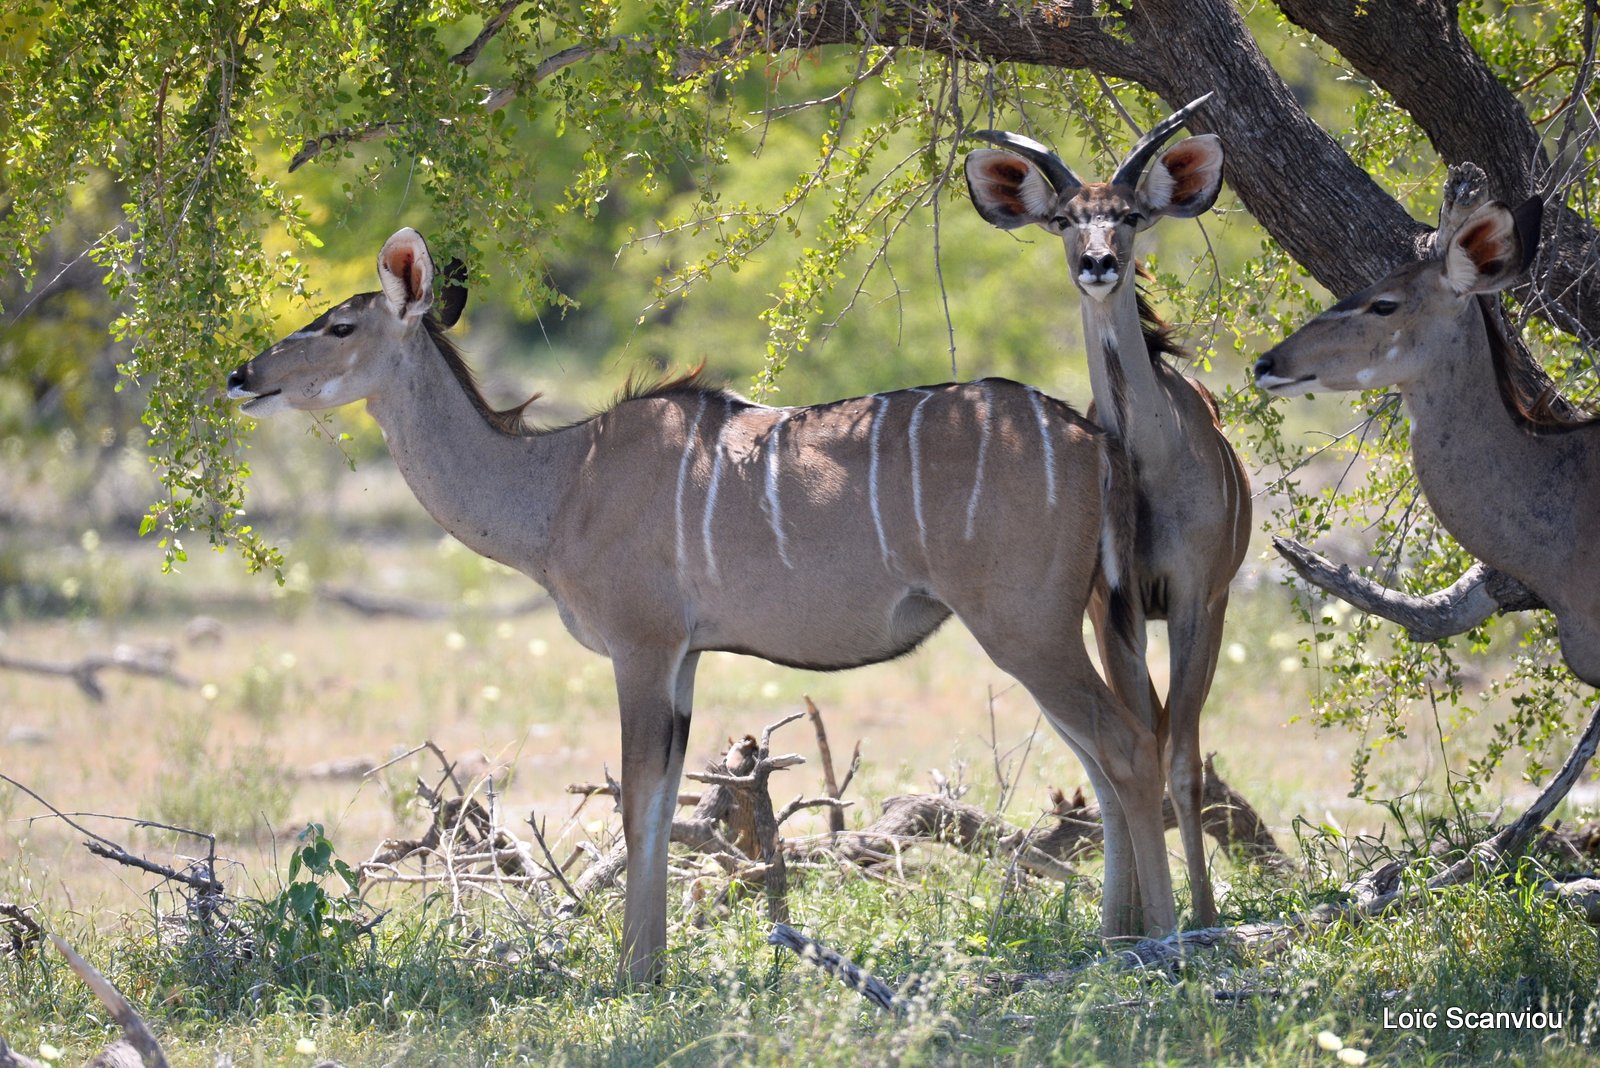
(1330, 1041)
(209, 691)
(455, 641)
(47, 1052)
(305, 1047)
(1351, 1055)
(491, 694)
(538, 647)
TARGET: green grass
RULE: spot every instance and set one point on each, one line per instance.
(499, 985)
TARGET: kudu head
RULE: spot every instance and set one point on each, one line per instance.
(349, 351)
(1024, 182)
(1400, 329)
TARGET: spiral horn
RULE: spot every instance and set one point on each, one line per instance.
(1057, 173)
(1139, 158)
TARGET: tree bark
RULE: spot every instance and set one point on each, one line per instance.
(1292, 176)
(1416, 52)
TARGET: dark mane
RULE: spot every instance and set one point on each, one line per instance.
(642, 387)
(1157, 331)
(1158, 340)
(1529, 396)
(508, 421)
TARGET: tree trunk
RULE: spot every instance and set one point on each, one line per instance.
(1291, 175)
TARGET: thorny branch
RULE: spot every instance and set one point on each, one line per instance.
(203, 879)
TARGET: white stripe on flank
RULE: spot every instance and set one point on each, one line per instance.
(983, 450)
(1049, 446)
(683, 478)
(711, 491)
(880, 414)
(774, 511)
(916, 466)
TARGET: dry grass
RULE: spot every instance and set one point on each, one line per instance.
(294, 683)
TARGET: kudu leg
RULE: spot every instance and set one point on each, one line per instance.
(654, 692)
(1195, 635)
(1120, 754)
(1121, 904)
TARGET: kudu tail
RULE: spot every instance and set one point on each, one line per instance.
(1118, 530)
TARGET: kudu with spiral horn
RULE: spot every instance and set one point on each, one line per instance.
(1193, 497)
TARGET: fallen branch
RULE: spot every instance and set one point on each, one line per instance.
(150, 662)
(23, 931)
(1044, 850)
(134, 1030)
(204, 880)
(1478, 594)
(376, 604)
(838, 966)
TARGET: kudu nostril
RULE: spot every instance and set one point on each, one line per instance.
(1097, 266)
(236, 378)
(1264, 366)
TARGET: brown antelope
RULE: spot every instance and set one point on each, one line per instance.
(684, 519)
(1193, 497)
(1516, 487)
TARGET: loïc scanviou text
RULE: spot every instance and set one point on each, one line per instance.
(1454, 1018)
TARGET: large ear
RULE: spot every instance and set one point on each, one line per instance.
(1184, 180)
(406, 271)
(452, 292)
(1007, 190)
(1492, 247)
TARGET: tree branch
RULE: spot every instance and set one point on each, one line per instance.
(1326, 212)
(1064, 33)
(1418, 54)
(491, 27)
(1478, 594)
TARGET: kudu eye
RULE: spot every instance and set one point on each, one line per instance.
(1134, 218)
(342, 329)
(1061, 222)
(1383, 306)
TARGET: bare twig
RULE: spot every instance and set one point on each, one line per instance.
(835, 790)
(610, 789)
(102, 846)
(553, 868)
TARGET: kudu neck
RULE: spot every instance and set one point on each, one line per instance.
(1482, 472)
(1130, 399)
(495, 492)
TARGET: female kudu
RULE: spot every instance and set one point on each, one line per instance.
(1519, 490)
(685, 519)
(1193, 497)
